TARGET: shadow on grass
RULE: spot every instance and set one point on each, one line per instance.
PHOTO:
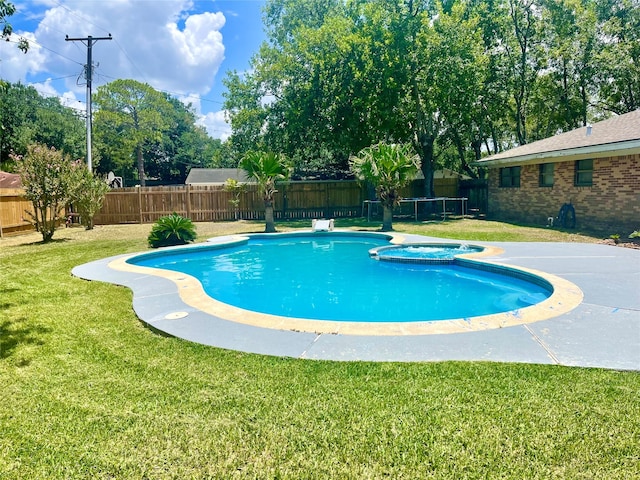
(40, 243)
(53, 241)
(14, 333)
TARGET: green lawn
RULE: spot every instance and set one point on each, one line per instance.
(89, 392)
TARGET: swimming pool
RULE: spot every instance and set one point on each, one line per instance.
(331, 277)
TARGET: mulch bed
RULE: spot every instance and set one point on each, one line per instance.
(621, 243)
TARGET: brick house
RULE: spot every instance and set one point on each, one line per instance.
(595, 168)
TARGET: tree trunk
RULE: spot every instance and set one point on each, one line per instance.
(140, 165)
(425, 150)
(424, 137)
(270, 226)
(387, 219)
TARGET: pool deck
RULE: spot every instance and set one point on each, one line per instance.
(602, 331)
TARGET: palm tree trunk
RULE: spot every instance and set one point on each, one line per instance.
(270, 226)
(387, 219)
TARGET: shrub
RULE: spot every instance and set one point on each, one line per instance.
(88, 194)
(172, 230)
(236, 189)
(47, 177)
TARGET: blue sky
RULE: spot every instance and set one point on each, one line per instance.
(184, 47)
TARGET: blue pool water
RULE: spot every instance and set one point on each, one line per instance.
(332, 277)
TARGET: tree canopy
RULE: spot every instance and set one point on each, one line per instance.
(143, 133)
(170, 141)
(26, 118)
(456, 79)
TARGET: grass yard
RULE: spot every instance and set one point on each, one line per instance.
(89, 392)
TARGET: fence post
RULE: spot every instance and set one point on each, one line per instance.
(285, 201)
(188, 200)
(140, 203)
(326, 201)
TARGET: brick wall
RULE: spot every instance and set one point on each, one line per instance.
(611, 204)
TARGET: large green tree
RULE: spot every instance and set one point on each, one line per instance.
(349, 76)
(26, 117)
(455, 79)
(561, 101)
(618, 55)
(129, 115)
(145, 133)
(184, 145)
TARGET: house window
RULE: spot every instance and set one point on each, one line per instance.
(510, 177)
(584, 173)
(546, 175)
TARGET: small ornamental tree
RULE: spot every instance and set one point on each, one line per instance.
(88, 193)
(236, 188)
(267, 168)
(389, 167)
(47, 177)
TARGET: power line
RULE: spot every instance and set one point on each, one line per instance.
(80, 17)
(173, 93)
(63, 100)
(33, 42)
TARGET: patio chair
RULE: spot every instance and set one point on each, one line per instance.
(322, 225)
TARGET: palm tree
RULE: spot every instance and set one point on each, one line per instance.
(266, 168)
(389, 167)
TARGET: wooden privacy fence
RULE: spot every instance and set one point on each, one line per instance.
(294, 200)
(13, 208)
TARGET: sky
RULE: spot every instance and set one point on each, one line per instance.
(182, 47)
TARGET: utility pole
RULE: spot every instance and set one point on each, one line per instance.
(89, 42)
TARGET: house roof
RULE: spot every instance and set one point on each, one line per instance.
(448, 173)
(216, 176)
(10, 180)
(619, 135)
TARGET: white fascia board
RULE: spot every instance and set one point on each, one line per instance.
(580, 153)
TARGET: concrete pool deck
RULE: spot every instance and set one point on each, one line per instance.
(602, 331)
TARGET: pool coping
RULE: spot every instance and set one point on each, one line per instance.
(564, 298)
(167, 304)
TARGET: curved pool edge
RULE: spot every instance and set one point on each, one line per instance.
(565, 297)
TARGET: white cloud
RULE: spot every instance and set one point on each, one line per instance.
(45, 88)
(216, 124)
(192, 100)
(70, 100)
(14, 64)
(161, 43)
